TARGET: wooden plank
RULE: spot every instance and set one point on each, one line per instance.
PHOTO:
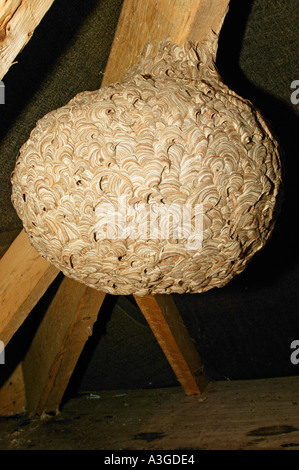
(58, 343)
(12, 394)
(24, 278)
(167, 325)
(18, 20)
(155, 20)
(234, 415)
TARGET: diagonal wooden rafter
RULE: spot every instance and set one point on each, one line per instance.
(18, 20)
(166, 323)
(151, 21)
(25, 276)
(58, 343)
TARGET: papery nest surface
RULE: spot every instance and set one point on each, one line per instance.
(103, 183)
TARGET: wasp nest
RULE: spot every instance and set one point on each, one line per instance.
(169, 135)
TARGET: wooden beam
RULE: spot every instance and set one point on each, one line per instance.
(18, 20)
(146, 21)
(12, 394)
(58, 343)
(24, 278)
(167, 325)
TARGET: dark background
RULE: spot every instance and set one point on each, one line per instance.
(242, 331)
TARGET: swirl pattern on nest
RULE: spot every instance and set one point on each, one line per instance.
(169, 133)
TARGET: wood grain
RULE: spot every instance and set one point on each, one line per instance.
(239, 415)
(155, 20)
(12, 394)
(58, 343)
(18, 20)
(167, 325)
(24, 278)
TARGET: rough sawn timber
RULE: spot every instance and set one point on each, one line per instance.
(259, 414)
(24, 278)
(151, 21)
(18, 20)
(166, 323)
(58, 343)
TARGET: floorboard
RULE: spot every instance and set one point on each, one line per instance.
(230, 415)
